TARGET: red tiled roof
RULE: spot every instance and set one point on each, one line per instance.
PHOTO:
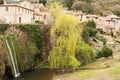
(43, 9)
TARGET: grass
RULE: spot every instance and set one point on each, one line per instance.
(95, 70)
(87, 74)
(114, 71)
(79, 75)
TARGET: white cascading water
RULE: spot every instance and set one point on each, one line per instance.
(18, 73)
(12, 60)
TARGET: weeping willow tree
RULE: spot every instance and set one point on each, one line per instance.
(55, 9)
(67, 36)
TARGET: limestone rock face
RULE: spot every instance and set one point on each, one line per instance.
(3, 59)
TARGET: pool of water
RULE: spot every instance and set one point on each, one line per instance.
(43, 74)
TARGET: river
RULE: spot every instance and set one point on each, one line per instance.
(42, 74)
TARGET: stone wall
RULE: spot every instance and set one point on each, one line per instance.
(47, 40)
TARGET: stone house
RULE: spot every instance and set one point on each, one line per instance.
(17, 13)
(41, 13)
(23, 12)
(114, 21)
(80, 15)
(109, 24)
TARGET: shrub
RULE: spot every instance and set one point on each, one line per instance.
(32, 51)
(86, 53)
(89, 30)
(33, 47)
(105, 52)
(39, 22)
(34, 33)
(3, 27)
(101, 38)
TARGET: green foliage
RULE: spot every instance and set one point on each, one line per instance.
(89, 30)
(67, 35)
(88, 9)
(85, 53)
(1, 1)
(99, 7)
(34, 33)
(55, 9)
(79, 5)
(83, 6)
(116, 10)
(109, 6)
(88, 1)
(15, 53)
(105, 52)
(68, 3)
(19, 59)
(43, 1)
(3, 27)
(101, 38)
(39, 22)
(32, 51)
(33, 47)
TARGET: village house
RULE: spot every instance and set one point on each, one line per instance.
(91, 17)
(23, 12)
(16, 13)
(114, 21)
(80, 15)
(41, 13)
(109, 24)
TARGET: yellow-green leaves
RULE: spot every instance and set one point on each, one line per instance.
(67, 36)
(56, 10)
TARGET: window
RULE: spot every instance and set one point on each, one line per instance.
(6, 9)
(33, 17)
(19, 19)
(96, 17)
(44, 16)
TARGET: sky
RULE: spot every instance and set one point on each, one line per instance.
(11, 1)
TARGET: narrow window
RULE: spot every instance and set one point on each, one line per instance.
(44, 16)
(19, 19)
(6, 9)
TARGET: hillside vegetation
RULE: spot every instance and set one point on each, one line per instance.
(99, 7)
(110, 6)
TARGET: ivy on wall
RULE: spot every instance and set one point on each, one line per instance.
(34, 33)
(3, 27)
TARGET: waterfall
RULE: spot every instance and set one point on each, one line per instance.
(13, 59)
